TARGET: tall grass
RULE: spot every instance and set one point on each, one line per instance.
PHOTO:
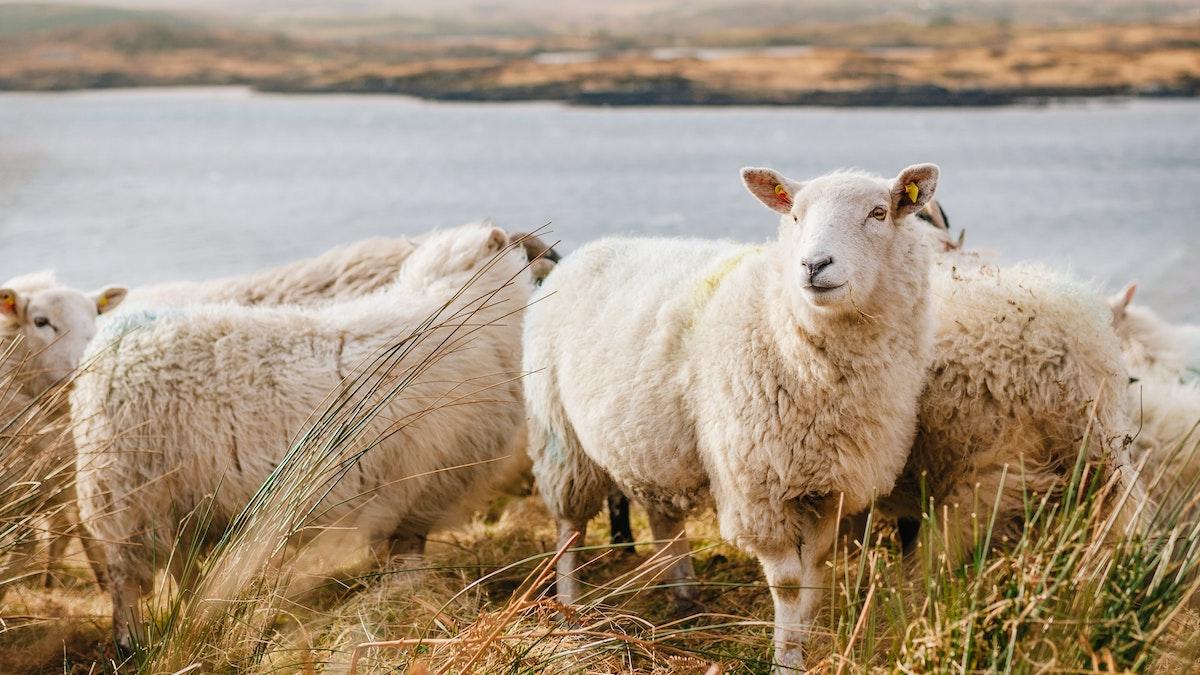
(1072, 593)
(37, 470)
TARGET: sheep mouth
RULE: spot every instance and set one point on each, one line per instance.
(818, 288)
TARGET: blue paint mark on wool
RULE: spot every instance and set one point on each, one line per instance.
(122, 323)
(554, 447)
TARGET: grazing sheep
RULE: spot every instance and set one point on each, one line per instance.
(182, 401)
(1163, 361)
(1154, 348)
(776, 380)
(44, 328)
(1022, 357)
(340, 274)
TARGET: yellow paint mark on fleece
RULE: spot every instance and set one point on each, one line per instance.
(688, 307)
(710, 283)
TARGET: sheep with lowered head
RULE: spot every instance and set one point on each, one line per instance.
(1163, 361)
(340, 274)
(776, 381)
(44, 328)
(1153, 347)
(182, 402)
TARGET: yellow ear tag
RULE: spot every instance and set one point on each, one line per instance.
(912, 191)
(779, 190)
(102, 302)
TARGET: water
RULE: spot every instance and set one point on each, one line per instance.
(149, 185)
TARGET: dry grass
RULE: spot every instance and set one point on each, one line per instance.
(845, 57)
(1070, 595)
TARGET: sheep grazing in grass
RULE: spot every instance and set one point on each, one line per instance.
(1163, 361)
(183, 401)
(1026, 371)
(780, 381)
(340, 274)
(44, 328)
(1153, 347)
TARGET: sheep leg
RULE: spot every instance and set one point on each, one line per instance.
(672, 544)
(796, 578)
(568, 562)
(127, 611)
(54, 556)
(95, 557)
(619, 526)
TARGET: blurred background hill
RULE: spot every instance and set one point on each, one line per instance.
(627, 51)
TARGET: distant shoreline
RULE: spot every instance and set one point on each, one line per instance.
(976, 65)
(665, 94)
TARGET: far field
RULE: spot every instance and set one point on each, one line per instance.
(881, 63)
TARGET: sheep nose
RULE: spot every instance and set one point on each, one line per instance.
(814, 265)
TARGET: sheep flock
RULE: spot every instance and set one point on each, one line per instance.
(861, 366)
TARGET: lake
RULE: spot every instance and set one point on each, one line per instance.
(139, 186)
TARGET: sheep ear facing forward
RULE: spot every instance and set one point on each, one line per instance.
(774, 190)
(108, 298)
(913, 189)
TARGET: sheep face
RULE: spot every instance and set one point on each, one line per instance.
(54, 325)
(841, 232)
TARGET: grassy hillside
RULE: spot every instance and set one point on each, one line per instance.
(886, 63)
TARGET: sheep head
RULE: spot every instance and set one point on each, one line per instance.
(53, 323)
(840, 232)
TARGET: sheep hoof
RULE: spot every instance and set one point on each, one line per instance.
(789, 662)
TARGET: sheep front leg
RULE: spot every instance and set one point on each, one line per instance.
(127, 612)
(568, 563)
(54, 555)
(797, 580)
(672, 544)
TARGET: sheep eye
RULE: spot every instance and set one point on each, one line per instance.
(41, 322)
(878, 213)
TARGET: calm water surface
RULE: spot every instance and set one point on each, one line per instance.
(139, 186)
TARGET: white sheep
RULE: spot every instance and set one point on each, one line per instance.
(1163, 361)
(44, 328)
(1153, 347)
(1023, 357)
(781, 380)
(340, 274)
(179, 402)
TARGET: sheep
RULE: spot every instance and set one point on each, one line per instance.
(1154, 348)
(775, 381)
(1022, 358)
(1163, 361)
(44, 327)
(217, 391)
(619, 526)
(340, 274)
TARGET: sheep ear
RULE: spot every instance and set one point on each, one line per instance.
(913, 189)
(9, 303)
(935, 215)
(108, 298)
(497, 240)
(1121, 301)
(774, 190)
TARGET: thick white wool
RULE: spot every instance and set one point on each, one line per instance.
(180, 402)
